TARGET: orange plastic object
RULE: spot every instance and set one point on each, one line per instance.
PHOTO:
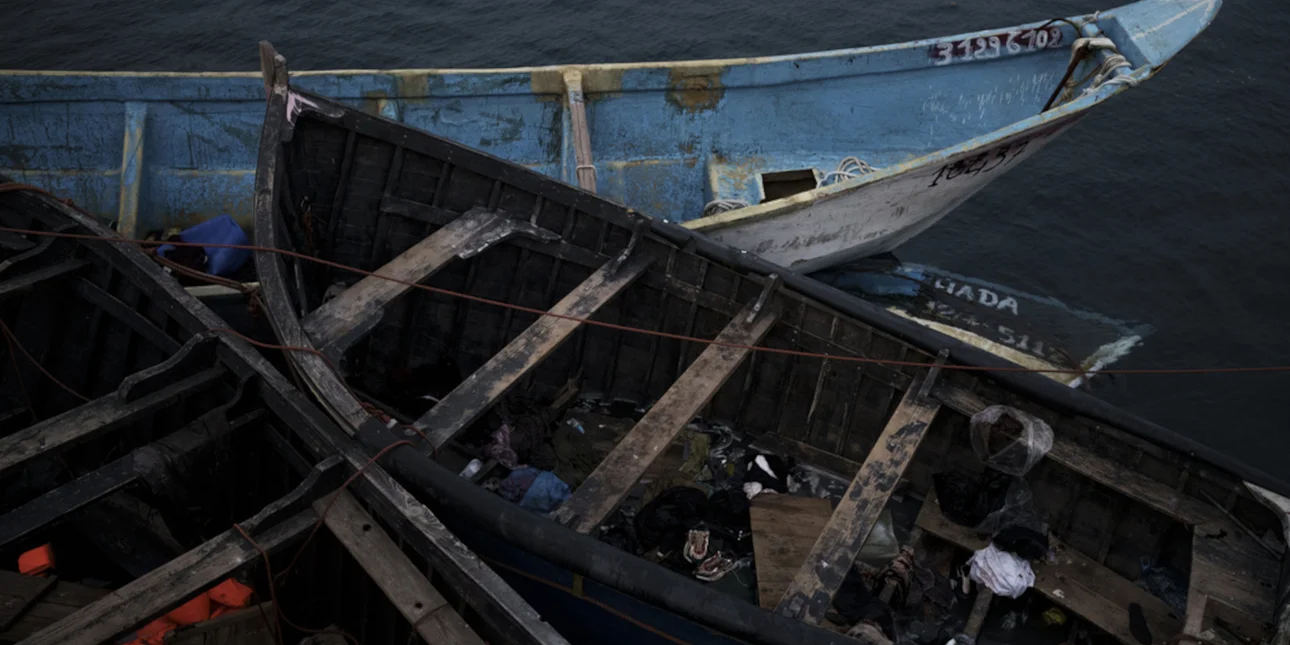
(154, 633)
(193, 611)
(231, 593)
(36, 561)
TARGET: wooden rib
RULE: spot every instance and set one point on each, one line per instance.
(360, 304)
(615, 476)
(811, 593)
(95, 417)
(487, 384)
(168, 585)
(585, 171)
(68, 498)
(410, 593)
(29, 281)
(1075, 581)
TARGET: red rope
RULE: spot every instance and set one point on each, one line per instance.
(649, 332)
(14, 344)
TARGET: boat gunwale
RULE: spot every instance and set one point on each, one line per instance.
(584, 67)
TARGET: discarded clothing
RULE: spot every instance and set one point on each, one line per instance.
(1009, 440)
(546, 493)
(868, 633)
(1023, 541)
(855, 601)
(653, 488)
(989, 503)
(770, 471)
(535, 490)
(730, 523)
(517, 484)
(696, 454)
(217, 260)
(575, 457)
(1004, 573)
(1165, 583)
(500, 448)
(665, 522)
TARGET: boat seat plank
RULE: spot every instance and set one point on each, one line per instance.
(456, 411)
(95, 417)
(164, 587)
(359, 306)
(823, 570)
(784, 528)
(1076, 581)
(1066, 452)
(613, 479)
(410, 593)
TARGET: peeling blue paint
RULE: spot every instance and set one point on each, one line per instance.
(162, 150)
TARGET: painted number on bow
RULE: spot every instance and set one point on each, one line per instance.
(996, 45)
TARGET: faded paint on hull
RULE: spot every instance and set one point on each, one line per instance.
(162, 150)
(884, 213)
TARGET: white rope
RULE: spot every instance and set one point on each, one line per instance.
(722, 205)
(1105, 74)
(848, 168)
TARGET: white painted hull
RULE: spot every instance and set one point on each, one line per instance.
(878, 212)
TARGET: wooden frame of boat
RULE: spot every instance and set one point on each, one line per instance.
(370, 193)
(130, 424)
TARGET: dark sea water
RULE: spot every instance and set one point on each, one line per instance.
(1166, 206)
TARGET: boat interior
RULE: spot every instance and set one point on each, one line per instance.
(518, 302)
(156, 487)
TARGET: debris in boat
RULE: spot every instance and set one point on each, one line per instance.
(1053, 616)
(220, 261)
(767, 473)
(37, 561)
(1009, 440)
(534, 489)
(1006, 574)
(1165, 583)
(471, 468)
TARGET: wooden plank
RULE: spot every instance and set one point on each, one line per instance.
(54, 605)
(585, 170)
(167, 586)
(615, 476)
(1232, 578)
(1076, 582)
(29, 281)
(486, 385)
(823, 571)
(95, 417)
(362, 304)
(410, 593)
(1104, 471)
(784, 528)
(244, 626)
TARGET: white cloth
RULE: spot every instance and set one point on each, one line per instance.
(1004, 573)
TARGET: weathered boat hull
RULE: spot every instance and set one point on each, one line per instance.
(937, 119)
(134, 431)
(471, 263)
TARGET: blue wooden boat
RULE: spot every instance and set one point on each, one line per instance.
(827, 156)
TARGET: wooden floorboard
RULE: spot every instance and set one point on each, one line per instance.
(615, 476)
(822, 572)
(456, 411)
(1076, 582)
(359, 306)
(784, 528)
(409, 591)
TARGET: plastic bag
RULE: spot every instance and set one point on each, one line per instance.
(1009, 440)
(1017, 508)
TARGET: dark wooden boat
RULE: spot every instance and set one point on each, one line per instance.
(134, 435)
(354, 189)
